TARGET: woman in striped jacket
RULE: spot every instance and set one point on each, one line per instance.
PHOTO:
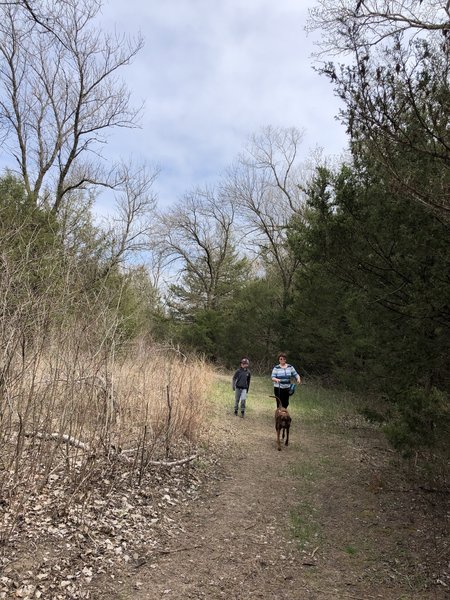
(282, 374)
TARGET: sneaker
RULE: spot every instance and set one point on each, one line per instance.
(235, 413)
(242, 414)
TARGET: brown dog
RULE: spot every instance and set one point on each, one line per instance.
(282, 424)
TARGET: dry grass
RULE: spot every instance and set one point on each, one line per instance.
(75, 415)
(164, 392)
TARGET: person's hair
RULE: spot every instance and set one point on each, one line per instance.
(244, 360)
(281, 355)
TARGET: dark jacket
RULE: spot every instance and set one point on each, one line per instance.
(241, 379)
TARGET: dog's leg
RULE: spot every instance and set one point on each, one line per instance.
(278, 439)
(287, 436)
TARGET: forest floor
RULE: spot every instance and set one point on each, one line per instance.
(335, 515)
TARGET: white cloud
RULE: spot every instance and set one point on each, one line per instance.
(213, 73)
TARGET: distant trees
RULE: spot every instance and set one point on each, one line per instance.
(253, 324)
(197, 238)
(229, 247)
(265, 185)
(197, 233)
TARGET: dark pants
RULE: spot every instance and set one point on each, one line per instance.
(282, 396)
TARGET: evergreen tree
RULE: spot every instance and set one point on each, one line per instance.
(374, 291)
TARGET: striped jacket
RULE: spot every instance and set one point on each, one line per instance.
(284, 375)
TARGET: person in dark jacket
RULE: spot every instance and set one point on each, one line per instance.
(241, 385)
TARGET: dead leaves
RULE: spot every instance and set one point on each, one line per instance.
(58, 542)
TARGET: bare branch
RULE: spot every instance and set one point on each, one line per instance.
(346, 24)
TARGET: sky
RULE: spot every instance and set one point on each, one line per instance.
(211, 74)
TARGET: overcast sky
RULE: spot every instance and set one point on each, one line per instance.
(212, 73)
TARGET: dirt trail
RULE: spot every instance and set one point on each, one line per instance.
(236, 541)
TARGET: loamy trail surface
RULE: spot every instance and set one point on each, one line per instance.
(318, 520)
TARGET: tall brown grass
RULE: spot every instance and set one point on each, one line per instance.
(75, 423)
(67, 409)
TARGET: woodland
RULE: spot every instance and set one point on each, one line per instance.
(342, 263)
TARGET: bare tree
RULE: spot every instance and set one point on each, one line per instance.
(265, 186)
(348, 24)
(197, 233)
(61, 96)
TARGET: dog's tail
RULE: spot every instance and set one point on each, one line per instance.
(278, 401)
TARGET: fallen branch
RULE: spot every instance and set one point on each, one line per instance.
(175, 463)
(71, 441)
(186, 549)
(59, 437)
(144, 559)
(155, 463)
